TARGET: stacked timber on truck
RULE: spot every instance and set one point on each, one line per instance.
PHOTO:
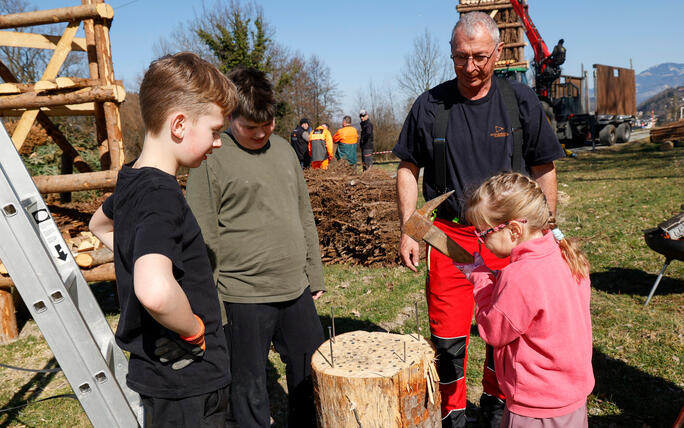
(510, 28)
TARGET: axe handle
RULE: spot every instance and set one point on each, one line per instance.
(447, 246)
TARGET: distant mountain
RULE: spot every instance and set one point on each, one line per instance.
(657, 78)
(666, 105)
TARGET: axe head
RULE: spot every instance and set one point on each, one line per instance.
(420, 228)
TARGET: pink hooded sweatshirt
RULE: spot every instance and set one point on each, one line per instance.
(536, 316)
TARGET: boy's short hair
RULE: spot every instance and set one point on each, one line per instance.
(346, 119)
(256, 98)
(183, 82)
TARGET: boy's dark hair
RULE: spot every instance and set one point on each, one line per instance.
(346, 119)
(183, 82)
(256, 98)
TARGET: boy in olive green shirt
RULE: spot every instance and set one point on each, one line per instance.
(253, 207)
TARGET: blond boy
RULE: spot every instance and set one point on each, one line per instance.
(170, 316)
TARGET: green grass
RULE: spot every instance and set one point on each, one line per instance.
(607, 198)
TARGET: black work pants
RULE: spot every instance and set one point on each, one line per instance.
(211, 410)
(296, 332)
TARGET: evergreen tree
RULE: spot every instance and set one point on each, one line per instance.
(241, 44)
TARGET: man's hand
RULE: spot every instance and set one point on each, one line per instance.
(409, 251)
(317, 294)
(177, 352)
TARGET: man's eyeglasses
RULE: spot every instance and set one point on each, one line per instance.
(481, 236)
(479, 61)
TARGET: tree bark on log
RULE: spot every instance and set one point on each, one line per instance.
(52, 16)
(8, 318)
(31, 100)
(76, 182)
(103, 272)
(376, 380)
(90, 259)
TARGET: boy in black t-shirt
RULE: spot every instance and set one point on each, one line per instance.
(170, 315)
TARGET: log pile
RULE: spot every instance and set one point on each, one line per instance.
(673, 132)
(355, 215)
(72, 219)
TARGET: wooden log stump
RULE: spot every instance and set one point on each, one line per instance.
(376, 380)
(8, 318)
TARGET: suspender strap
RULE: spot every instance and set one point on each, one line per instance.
(511, 103)
(439, 147)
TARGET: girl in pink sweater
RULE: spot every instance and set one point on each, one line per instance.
(535, 311)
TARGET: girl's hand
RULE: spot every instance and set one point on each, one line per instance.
(469, 268)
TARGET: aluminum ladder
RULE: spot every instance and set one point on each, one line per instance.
(59, 299)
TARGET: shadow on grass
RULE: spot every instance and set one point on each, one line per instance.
(634, 281)
(28, 393)
(643, 399)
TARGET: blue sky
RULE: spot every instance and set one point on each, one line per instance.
(364, 41)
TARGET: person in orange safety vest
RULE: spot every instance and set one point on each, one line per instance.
(320, 147)
(347, 137)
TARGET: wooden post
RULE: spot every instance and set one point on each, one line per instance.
(8, 318)
(106, 74)
(67, 167)
(378, 380)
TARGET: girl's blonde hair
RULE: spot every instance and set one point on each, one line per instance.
(510, 196)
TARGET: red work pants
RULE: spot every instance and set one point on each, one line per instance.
(450, 308)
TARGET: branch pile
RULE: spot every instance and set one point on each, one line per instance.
(355, 215)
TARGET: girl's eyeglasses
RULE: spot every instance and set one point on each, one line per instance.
(481, 236)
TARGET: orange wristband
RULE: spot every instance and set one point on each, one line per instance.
(197, 338)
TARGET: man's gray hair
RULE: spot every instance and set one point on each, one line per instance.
(470, 22)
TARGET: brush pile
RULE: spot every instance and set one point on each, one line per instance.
(355, 215)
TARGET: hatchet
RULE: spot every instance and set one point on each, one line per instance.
(419, 227)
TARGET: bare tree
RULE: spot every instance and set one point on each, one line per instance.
(379, 102)
(322, 89)
(424, 67)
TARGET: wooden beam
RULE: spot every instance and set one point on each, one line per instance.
(52, 16)
(86, 109)
(16, 39)
(32, 100)
(46, 85)
(483, 7)
(103, 272)
(76, 182)
(59, 55)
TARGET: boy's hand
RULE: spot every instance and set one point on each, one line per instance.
(177, 351)
(183, 351)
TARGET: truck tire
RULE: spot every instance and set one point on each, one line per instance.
(607, 135)
(623, 132)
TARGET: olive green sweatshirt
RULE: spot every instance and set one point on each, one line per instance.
(255, 214)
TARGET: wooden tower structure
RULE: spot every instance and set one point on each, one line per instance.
(511, 30)
(98, 95)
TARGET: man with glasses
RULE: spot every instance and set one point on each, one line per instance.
(461, 133)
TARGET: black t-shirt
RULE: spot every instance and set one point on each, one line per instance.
(479, 139)
(151, 216)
